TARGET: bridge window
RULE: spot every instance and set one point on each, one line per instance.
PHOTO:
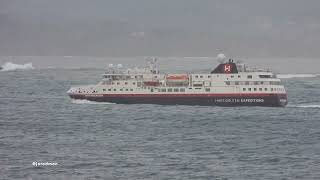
(114, 89)
(232, 76)
(239, 76)
(121, 89)
(170, 90)
(207, 89)
(255, 89)
(176, 90)
(244, 89)
(163, 90)
(209, 76)
(266, 89)
(127, 89)
(249, 76)
(227, 83)
(109, 89)
(104, 89)
(131, 89)
(249, 89)
(271, 89)
(260, 89)
(182, 90)
(201, 76)
(196, 76)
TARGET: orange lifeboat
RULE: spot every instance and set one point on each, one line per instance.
(177, 80)
(182, 77)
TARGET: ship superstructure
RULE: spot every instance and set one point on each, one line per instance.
(229, 84)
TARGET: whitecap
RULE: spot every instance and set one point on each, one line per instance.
(9, 66)
(305, 106)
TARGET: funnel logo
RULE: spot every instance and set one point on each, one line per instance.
(227, 68)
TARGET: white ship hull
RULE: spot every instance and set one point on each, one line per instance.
(227, 85)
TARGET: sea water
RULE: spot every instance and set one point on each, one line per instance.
(46, 135)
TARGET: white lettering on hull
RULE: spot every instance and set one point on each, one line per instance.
(239, 100)
(283, 100)
(93, 95)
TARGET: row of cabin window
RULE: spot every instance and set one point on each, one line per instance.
(159, 90)
(119, 89)
(178, 90)
(265, 89)
(232, 76)
(201, 76)
(250, 76)
(239, 76)
(170, 90)
(252, 83)
(126, 83)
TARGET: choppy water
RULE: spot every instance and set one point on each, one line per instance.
(39, 123)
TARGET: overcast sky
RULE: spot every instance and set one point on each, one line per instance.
(258, 28)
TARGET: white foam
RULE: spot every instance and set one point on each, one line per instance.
(288, 76)
(306, 106)
(9, 66)
(84, 101)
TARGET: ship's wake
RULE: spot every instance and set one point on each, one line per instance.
(84, 101)
(9, 66)
(289, 76)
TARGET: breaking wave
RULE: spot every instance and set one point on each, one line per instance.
(84, 101)
(289, 76)
(9, 66)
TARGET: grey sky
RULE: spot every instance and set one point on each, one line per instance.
(259, 28)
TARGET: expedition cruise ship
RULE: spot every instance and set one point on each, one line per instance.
(229, 84)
